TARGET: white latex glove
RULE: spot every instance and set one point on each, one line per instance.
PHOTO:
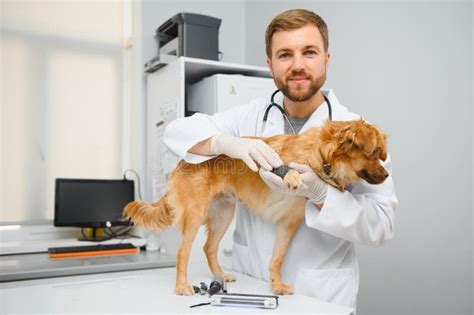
(312, 186)
(251, 151)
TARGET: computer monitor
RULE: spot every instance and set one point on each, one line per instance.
(91, 203)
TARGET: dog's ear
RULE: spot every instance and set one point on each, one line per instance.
(344, 146)
(341, 137)
(370, 140)
(346, 138)
(366, 139)
(328, 148)
(328, 143)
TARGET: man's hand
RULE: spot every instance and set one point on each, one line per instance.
(313, 187)
(310, 185)
(251, 151)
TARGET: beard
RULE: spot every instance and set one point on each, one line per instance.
(300, 93)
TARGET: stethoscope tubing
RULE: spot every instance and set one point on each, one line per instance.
(280, 108)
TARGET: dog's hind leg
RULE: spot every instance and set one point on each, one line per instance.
(219, 216)
(189, 228)
(285, 230)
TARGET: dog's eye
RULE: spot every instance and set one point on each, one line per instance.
(376, 152)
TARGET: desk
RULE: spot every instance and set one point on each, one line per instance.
(35, 266)
(139, 291)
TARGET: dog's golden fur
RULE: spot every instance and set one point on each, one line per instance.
(206, 193)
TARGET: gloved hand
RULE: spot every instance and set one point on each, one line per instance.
(311, 187)
(248, 150)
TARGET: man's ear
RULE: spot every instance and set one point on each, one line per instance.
(270, 65)
(328, 57)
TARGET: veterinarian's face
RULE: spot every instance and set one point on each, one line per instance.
(299, 62)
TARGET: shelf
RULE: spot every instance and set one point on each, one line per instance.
(197, 69)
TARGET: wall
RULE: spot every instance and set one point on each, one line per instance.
(231, 34)
(408, 68)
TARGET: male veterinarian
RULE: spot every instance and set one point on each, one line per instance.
(321, 260)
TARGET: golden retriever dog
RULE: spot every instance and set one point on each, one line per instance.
(340, 153)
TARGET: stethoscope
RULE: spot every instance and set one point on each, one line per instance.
(282, 110)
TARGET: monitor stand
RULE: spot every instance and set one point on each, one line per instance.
(94, 237)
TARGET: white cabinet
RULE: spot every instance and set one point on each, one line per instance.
(166, 100)
(221, 92)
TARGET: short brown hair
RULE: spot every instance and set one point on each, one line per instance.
(293, 19)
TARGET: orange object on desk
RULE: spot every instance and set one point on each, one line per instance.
(92, 251)
(98, 253)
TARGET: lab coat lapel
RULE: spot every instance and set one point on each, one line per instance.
(275, 124)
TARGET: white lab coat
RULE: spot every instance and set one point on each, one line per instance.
(321, 260)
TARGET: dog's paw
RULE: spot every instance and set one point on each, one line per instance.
(184, 289)
(281, 289)
(293, 179)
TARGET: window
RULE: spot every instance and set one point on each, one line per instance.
(61, 100)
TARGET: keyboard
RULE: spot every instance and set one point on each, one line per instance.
(92, 250)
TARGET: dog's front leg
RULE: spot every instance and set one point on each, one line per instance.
(286, 229)
(293, 180)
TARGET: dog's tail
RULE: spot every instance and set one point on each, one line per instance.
(157, 216)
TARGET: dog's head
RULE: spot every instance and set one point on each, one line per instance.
(352, 150)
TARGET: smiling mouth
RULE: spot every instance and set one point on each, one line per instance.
(298, 80)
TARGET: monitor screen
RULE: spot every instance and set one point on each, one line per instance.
(91, 202)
